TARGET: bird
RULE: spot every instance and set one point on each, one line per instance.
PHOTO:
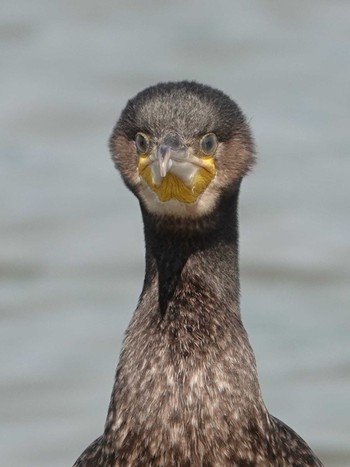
(186, 390)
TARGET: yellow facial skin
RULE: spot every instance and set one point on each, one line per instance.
(172, 186)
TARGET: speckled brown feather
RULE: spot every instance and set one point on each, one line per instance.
(186, 391)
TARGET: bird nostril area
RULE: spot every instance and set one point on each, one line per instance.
(172, 140)
(163, 149)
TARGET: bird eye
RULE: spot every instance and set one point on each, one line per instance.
(142, 143)
(209, 143)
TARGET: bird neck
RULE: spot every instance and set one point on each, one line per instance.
(197, 256)
(186, 350)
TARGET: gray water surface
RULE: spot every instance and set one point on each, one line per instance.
(71, 248)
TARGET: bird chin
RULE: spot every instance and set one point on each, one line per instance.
(202, 205)
(182, 180)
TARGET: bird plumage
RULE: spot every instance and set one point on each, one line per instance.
(186, 391)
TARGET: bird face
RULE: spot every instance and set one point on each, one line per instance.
(180, 146)
(173, 169)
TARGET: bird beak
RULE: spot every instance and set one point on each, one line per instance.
(170, 149)
(164, 159)
(171, 156)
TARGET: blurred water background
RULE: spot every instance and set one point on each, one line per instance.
(71, 247)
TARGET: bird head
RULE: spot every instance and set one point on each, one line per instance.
(180, 146)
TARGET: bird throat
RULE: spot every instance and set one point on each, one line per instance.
(171, 186)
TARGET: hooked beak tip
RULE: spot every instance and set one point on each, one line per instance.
(164, 158)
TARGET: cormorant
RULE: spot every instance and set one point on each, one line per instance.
(186, 390)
